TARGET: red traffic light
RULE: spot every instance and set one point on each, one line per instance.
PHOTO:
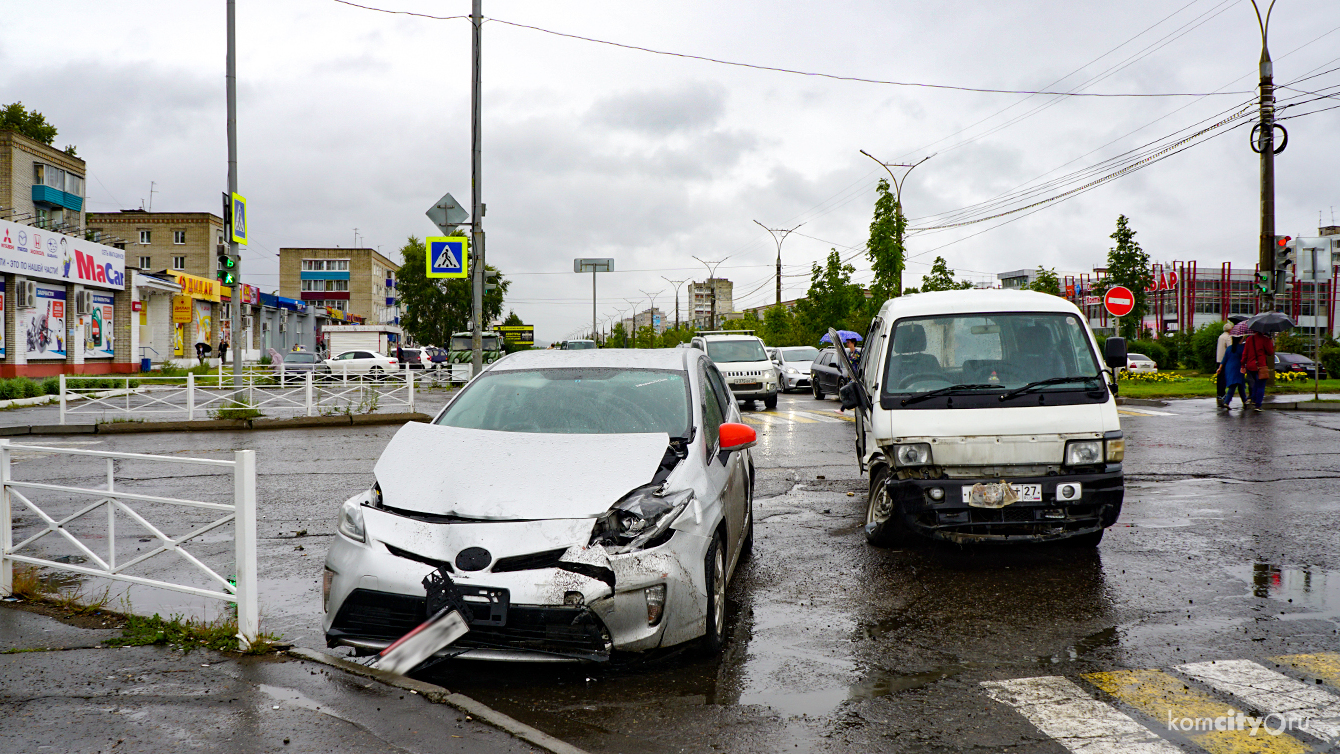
(1282, 241)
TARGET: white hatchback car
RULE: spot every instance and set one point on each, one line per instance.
(629, 506)
(361, 362)
(1138, 363)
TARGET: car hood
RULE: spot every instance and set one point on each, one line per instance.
(800, 366)
(482, 474)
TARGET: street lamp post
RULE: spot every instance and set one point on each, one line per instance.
(651, 315)
(676, 284)
(779, 235)
(711, 276)
(1263, 142)
(898, 204)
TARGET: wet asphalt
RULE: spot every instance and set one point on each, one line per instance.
(1226, 549)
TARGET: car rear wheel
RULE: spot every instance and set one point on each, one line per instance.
(714, 577)
(814, 388)
(883, 525)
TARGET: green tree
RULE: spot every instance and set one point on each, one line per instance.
(618, 337)
(30, 123)
(885, 247)
(434, 307)
(941, 278)
(749, 321)
(1128, 265)
(1046, 281)
(676, 335)
(646, 337)
(779, 326)
(833, 301)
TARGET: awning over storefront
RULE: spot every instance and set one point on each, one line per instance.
(200, 288)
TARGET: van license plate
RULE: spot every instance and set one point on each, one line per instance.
(994, 495)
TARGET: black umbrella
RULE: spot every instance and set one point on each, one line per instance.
(1271, 322)
(1236, 318)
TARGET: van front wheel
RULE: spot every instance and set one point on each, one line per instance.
(883, 524)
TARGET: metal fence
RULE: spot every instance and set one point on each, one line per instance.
(200, 396)
(56, 519)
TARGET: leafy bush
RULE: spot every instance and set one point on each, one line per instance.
(1151, 377)
(1204, 343)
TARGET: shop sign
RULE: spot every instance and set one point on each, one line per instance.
(36, 253)
(198, 287)
(181, 310)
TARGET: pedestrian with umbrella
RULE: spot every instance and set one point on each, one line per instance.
(1258, 350)
(202, 350)
(1230, 369)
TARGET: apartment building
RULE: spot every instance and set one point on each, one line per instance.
(358, 282)
(701, 296)
(40, 186)
(177, 242)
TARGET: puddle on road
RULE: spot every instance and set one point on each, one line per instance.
(1315, 592)
(875, 683)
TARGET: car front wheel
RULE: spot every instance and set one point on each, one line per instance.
(714, 577)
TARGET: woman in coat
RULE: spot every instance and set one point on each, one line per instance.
(1231, 368)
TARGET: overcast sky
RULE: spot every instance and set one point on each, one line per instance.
(351, 118)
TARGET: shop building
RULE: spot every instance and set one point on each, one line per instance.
(358, 282)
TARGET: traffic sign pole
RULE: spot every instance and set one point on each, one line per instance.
(477, 190)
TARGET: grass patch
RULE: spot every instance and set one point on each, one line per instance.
(1188, 384)
(187, 634)
(235, 409)
(28, 584)
(120, 420)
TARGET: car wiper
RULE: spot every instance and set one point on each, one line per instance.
(1052, 381)
(919, 397)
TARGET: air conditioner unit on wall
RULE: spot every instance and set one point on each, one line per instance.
(83, 303)
(27, 291)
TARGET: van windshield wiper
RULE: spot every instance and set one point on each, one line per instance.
(919, 397)
(1052, 381)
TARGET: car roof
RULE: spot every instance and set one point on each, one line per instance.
(973, 300)
(631, 358)
(728, 336)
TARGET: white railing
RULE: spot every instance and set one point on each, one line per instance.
(195, 396)
(241, 513)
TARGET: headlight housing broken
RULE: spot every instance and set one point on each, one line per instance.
(351, 520)
(640, 520)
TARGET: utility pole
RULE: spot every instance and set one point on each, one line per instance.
(711, 283)
(651, 315)
(1263, 143)
(231, 86)
(676, 284)
(779, 239)
(899, 220)
(476, 193)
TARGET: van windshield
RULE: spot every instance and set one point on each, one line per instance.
(731, 351)
(1006, 350)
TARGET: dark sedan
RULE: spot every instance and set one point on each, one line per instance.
(825, 374)
(1295, 362)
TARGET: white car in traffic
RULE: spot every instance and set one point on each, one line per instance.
(361, 362)
(793, 365)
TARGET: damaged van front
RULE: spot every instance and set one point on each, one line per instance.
(988, 417)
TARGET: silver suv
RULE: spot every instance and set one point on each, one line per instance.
(742, 360)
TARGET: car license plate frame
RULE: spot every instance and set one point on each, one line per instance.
(1026, 493)
(488, 604)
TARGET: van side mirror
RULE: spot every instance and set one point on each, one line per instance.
(1114, 352)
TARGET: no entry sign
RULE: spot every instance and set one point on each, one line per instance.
(1119, 301)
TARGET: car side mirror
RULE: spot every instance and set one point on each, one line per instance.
(735, 436)
(1114, 352)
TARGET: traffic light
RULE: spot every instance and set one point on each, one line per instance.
(1286, 262)
(226, 271)
(1263, 286)
(490, 280)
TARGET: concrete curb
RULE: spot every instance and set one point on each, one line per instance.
(202, 425)
(1302, 406)
(439, 695)
(1153, 402)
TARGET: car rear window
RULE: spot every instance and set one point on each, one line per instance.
(574, 401)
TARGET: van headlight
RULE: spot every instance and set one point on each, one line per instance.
(351, 520)
(912, 454)
(642, 519)
(1083, 452)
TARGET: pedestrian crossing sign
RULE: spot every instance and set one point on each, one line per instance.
(447, 256)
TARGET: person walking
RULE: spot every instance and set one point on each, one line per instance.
(1220, 375)
(201, 350)
(1258, 361)
(1230, 373)
(223, 350)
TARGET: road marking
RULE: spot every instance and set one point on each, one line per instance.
(1272, 693)
(1170, 702)
(1143, 412)
(1325, 665)
(791, 415)
(1061, 710)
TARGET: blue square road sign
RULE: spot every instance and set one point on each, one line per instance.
(447, 256)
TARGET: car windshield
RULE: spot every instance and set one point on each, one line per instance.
(805, 353)
(463, 343)
(730, 351)
(581, 401)
(1009, 349)
(300, 358)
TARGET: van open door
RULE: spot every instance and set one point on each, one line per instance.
(853, 394)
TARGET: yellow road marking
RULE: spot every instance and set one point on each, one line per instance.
(1324, 665)
(749, 419)
(792, 416)
(1169, 702)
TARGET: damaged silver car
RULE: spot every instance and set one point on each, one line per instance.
(624, 508)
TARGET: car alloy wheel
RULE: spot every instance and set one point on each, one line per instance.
(714, 576)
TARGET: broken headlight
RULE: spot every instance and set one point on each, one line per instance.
(642, 519)
(351, 520)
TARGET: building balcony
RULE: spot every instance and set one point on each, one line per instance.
(52, 198)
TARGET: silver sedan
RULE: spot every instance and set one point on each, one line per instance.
(582, 502)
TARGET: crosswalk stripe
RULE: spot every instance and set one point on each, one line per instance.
(1170, 702)
(1061, 710)
(1143, 412)
(792, 415)
(1272, 693)
(1324, 665)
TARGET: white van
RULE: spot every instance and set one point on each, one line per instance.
(743, 361)
(987, 416)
